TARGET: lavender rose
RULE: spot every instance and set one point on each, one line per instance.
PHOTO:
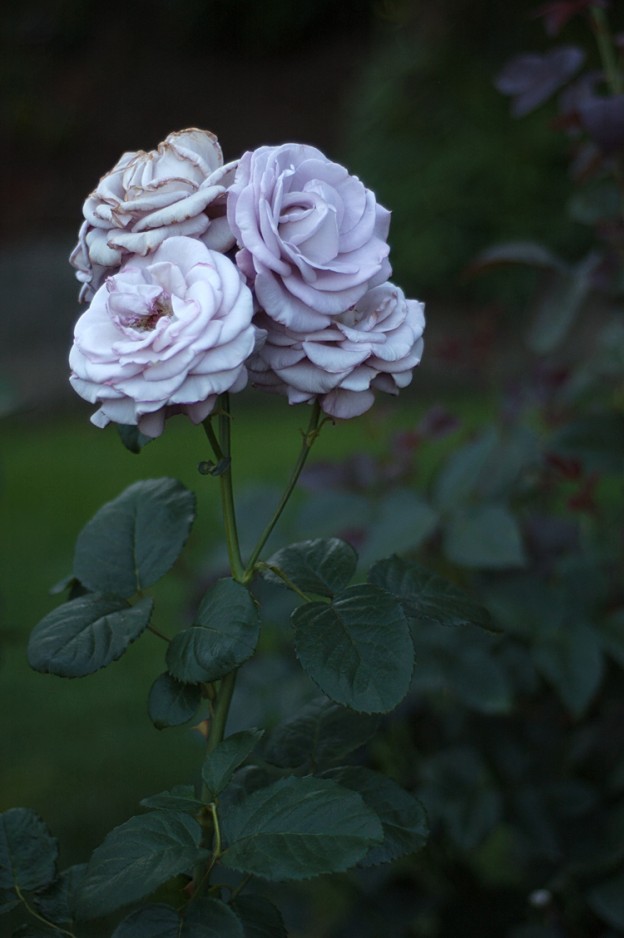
(312, 237)
(177, 189)
(165, 335)
(373, 345)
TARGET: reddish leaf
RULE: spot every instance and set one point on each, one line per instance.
(557, 14)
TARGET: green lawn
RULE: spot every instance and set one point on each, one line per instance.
(83, 752)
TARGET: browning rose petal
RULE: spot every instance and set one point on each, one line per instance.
(177, 189)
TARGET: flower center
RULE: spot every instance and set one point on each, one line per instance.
(159, 307)
(351, 317)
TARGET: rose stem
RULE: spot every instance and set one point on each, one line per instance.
(220, 706)
(607, 54)
(308, 440)
(221, 448)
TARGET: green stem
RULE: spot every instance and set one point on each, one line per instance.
(213, 439)
(227, 490)
(613, 75)
(261, 565)
(216, 853)
(220, 706)
(155, 631)
(308, 440)
(203, 873)
(221, 449)
(220, 711)
(238, 889)
(40, 918)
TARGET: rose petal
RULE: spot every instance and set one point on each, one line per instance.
(308, 231)
(150, 196)
(334, 358)
(169, 330)
(347, 404)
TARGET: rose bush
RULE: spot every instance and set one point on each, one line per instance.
(312, 237)
(177, 189)
(165, 335)
(373, 345)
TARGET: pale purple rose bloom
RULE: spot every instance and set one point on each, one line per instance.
(165, 335)
(373, 346)
(312, 237)
(177, 189)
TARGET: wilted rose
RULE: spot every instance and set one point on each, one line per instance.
(373, 345)
(177, 189)
(312, 237)
(165, 335)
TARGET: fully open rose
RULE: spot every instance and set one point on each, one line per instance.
(165, 335)
(312, 237)
(177, 189)
(374, 345)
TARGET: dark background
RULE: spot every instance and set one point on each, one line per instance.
(83, 83)
(400, 91)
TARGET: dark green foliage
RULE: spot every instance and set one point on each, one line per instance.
(459, 791)
(484, 536)
(205, 918)
(132, 438)
(180, 798)
(260, 918)
(401, 520)
(467, 666)
(57, 904)
(427, 599)
(172, 703)
(154, 921)
(357, 648)
(28, 852)
(402, 816)
(222, 762)
(211, 918)
(596, 439)
(320, 735)
(135, 539)
(36, 931)
(607, 900)
(86, 634)
(569, 655)
(321, 567)
(297, 828)
(136, 858)
(225, 635)
(8, 900)
(560, 304)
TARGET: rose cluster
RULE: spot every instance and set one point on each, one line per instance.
(202, 276)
